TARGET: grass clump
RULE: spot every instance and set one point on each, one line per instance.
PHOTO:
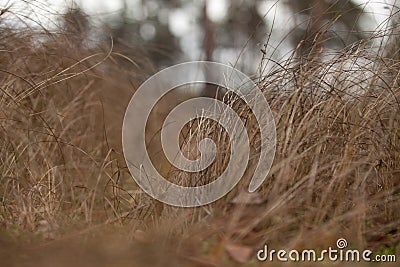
(65, 188)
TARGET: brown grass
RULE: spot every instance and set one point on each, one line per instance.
(68, 199)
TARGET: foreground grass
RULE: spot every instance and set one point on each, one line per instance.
(68, 199)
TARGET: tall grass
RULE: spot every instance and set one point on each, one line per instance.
(62, 174)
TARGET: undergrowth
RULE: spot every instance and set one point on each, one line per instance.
(63, 178)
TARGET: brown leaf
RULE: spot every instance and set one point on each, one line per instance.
(239, 253)
(139, 235)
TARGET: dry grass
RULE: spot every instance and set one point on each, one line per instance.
(68, 199)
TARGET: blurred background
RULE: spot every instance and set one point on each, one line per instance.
(233, 32)
(69, 68)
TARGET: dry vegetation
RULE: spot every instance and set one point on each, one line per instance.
(67, 198)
